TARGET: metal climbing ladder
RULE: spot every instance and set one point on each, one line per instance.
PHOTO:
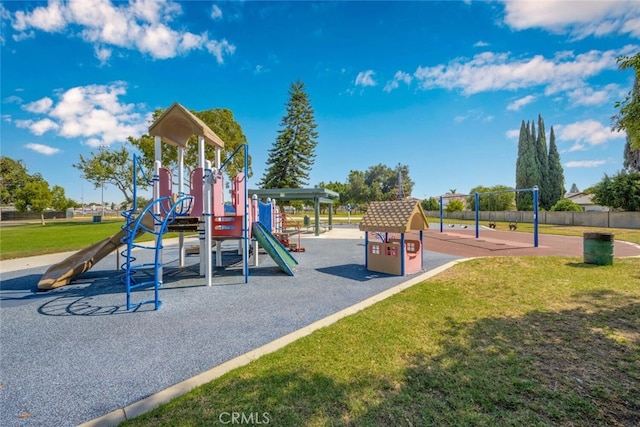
(154, 219)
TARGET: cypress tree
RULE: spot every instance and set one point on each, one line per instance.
(527, 168)
(556, 173)
(543, 162)
(293, 152)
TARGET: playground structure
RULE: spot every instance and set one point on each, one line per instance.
(390, 222)
(513, 225)
(202, 209)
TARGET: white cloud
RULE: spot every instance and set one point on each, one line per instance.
(399, 77)
(489, 71)
(40, 106)
(512, 133)
(480, 43)
(220, 48)
(475, 114)
(13, 99)
(588, 96)
(365, 78)
(42, 149)
(49, 19)
(584, 163)
(216, 13)
(142, 25)
(579, 19)
(92, 113)
(40, 127)
(586, 134)
(519, 103)
(102, 53)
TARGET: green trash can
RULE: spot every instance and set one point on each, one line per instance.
(598, 248)
(307, 221)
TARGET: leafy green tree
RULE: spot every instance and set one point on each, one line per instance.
(339, 187)
(492, 202)
(220, 121)
(293, 153)
(13, 176)
(527, 170)
(555, 180)
(628, 117)
(34, 196)
(110, 166)
(454, 205)
(358, 192)
(59, 200)
(632, 155)
(430, 204)
(620, 192)
(566, 205)
(383, 182)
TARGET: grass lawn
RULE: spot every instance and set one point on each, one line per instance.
(29, 239)
(626, 234)
(490, 342)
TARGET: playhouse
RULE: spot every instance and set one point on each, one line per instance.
(394, 236)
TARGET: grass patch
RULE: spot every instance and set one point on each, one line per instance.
(627, 234)
(32, 239)
(500, 342)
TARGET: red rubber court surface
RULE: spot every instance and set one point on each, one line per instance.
(512, 243)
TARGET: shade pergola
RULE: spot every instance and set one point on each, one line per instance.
(317, 195)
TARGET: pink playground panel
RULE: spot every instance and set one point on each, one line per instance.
(237, 192)
(218, 196)
(165, 187)
(196, 191)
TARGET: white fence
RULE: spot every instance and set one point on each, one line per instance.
(586, 219)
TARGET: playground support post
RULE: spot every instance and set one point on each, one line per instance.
(441, 214)
(535, 216)
(181, 248)
(209, 179)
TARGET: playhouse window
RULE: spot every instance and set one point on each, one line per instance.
(375, 249)
(411, 247)
(391, 251)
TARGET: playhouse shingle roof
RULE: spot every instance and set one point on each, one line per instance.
(177, 124)
(396, 216)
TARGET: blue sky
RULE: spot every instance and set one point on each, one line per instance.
(439, 86)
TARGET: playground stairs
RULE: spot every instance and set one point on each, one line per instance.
(184, 224)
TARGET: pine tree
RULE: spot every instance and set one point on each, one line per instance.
(574, 188)
(556, 173)
(543, 162)
(293, 152)
(527, 170)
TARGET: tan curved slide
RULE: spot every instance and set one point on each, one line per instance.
(61, 274)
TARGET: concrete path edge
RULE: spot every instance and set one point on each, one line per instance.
(147, 404)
